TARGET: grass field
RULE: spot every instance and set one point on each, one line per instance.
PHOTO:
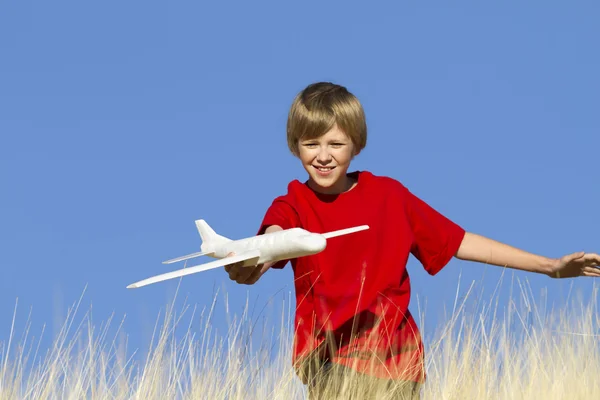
(521, 351)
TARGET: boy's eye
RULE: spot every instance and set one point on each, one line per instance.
(312, 145)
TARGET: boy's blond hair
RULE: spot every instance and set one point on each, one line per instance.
(318, 108)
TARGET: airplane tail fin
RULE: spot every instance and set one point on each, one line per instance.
(209, 236)
(209, 240)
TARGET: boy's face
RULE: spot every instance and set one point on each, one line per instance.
(326, 159)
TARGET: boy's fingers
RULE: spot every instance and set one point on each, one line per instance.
(244, 274)
(237, 272)
(230, 267)
(234, 272)
(591, 271)
(593, 258)
(256, 274)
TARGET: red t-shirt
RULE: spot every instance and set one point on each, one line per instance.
(358, 286)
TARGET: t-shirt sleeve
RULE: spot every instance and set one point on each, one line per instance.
(283, 214)
(436, 238)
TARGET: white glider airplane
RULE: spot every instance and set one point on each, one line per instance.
(275, 246)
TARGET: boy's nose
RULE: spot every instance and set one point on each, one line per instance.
(324, 156)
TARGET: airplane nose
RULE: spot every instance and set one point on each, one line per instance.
(312, 243)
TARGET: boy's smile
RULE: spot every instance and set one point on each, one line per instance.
(324, 171)
(326, 159)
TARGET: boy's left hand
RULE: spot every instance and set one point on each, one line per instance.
(576, 264)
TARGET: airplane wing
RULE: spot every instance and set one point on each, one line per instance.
(346, 231)
(193, 255)
(252, 255)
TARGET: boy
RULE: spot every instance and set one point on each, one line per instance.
(352, 314)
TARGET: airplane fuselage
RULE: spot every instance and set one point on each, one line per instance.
(275, 246)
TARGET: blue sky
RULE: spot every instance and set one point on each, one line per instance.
(123, 122)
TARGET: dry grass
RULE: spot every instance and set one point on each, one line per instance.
(520, 352)
(526, 352)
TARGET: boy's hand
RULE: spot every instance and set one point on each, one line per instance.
(244, 275)
(576, 264)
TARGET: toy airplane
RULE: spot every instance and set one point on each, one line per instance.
(275, 246)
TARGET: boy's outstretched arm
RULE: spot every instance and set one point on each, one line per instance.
(481, 249)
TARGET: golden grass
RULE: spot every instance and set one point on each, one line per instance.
(522, 351)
